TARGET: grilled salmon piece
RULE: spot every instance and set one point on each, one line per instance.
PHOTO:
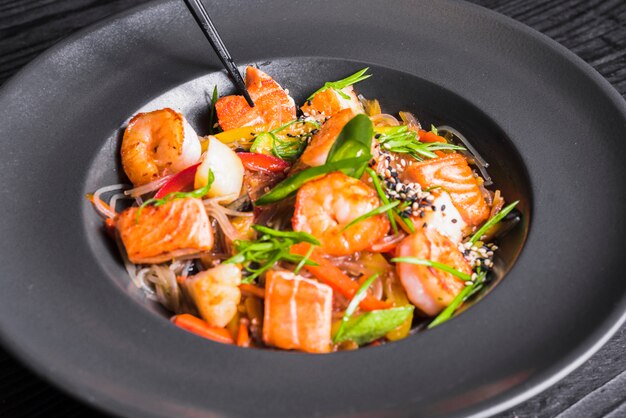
(298, 313)
(178, 228)
(452, 173)
(328, 102)
(316, 152)
(272, 105)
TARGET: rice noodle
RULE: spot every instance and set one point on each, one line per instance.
(163, 278)
(215, 201)
(147, 188)
(478, 159)
(231, 212)
(389, 241)
(384, 119)
(216, 211)
(115, 198)
(132, 270)
(97, 199)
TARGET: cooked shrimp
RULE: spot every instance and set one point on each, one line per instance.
(328, 102)
(454, 175)
(298, 313)
(316, 152)
(430, 289)
(272, 105)
(158, 143)
(216, 293)
(161, 233)
(325, 206)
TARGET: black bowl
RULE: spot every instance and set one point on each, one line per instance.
(549, 125)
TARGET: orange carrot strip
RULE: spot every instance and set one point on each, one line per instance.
(253, 290)
(199, 327)
(426, 136)
(335, 278)
(181, 280)
(243, 337)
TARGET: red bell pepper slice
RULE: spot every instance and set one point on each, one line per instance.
(181, 182)
(261, 162)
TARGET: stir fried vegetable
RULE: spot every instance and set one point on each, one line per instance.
(342, 228)
(270, 248)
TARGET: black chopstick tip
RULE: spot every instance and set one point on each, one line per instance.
(246, 95)
(203, 20)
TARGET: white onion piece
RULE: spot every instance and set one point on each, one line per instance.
(227, 171)
(480, 161)
(149, 187)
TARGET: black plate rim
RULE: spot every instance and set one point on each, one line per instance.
(585, 350)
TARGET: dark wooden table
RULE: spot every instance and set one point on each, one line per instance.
(593, 29)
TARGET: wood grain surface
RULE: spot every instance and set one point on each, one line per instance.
(593, 29)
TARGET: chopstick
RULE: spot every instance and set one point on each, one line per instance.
(204, 21)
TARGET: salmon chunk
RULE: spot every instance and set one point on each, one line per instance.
(316, 152)
(272, 105)
(298, 313)
(329, 102)
(452, 173)
(161, 233)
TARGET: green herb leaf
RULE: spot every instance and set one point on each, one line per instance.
(360, 294)
(383, 197)
(198, 193)
(354, 140)
(297, 236)
(434, 130)
(304, 260)
(341, 84)
(373, 325)
(429, 263)
(463, 295)
(291, 185)
(376, 211)
(402, 140)
(491, 222)
(271, 247)
(212, 111)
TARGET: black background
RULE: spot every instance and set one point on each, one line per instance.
(595, 30)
